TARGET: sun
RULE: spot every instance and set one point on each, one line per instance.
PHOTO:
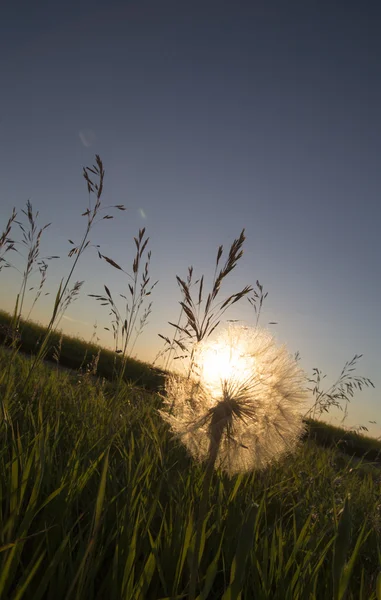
(220, 363)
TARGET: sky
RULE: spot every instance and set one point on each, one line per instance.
(210, 117)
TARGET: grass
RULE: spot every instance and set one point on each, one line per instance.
(349, 442)
(98, 500)
(78, 354)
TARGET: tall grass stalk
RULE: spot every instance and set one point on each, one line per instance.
(171, 345)
(126, 328)
(202, 318)
(92, 214)
(7, 244)
(339, 394)
(31, 240)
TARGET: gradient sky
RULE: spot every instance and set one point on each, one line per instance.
(209, 117)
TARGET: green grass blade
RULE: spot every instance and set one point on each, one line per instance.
(24, 585)
(238, 566)
(348, 569)
(341, 548)
(378, 586)
(140, 593)
(211, 572)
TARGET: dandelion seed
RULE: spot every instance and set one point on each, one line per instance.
(241, 407)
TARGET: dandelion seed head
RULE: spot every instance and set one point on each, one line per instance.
(242, 404)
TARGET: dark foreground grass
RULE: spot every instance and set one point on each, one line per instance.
(97, 501)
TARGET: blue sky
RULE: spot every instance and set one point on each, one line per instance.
(209, 117)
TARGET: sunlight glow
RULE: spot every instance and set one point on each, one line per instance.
(221, 362)
(247, 410)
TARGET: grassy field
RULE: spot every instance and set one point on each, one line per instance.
(79, 355)
(98, 501)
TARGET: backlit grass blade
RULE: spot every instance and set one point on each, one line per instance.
(211, 571)
(238, 567)
(23, 586)
(349, 566)
(186, 544)
(140, 593)
(341, 549)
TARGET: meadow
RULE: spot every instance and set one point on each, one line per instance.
(98, 499)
